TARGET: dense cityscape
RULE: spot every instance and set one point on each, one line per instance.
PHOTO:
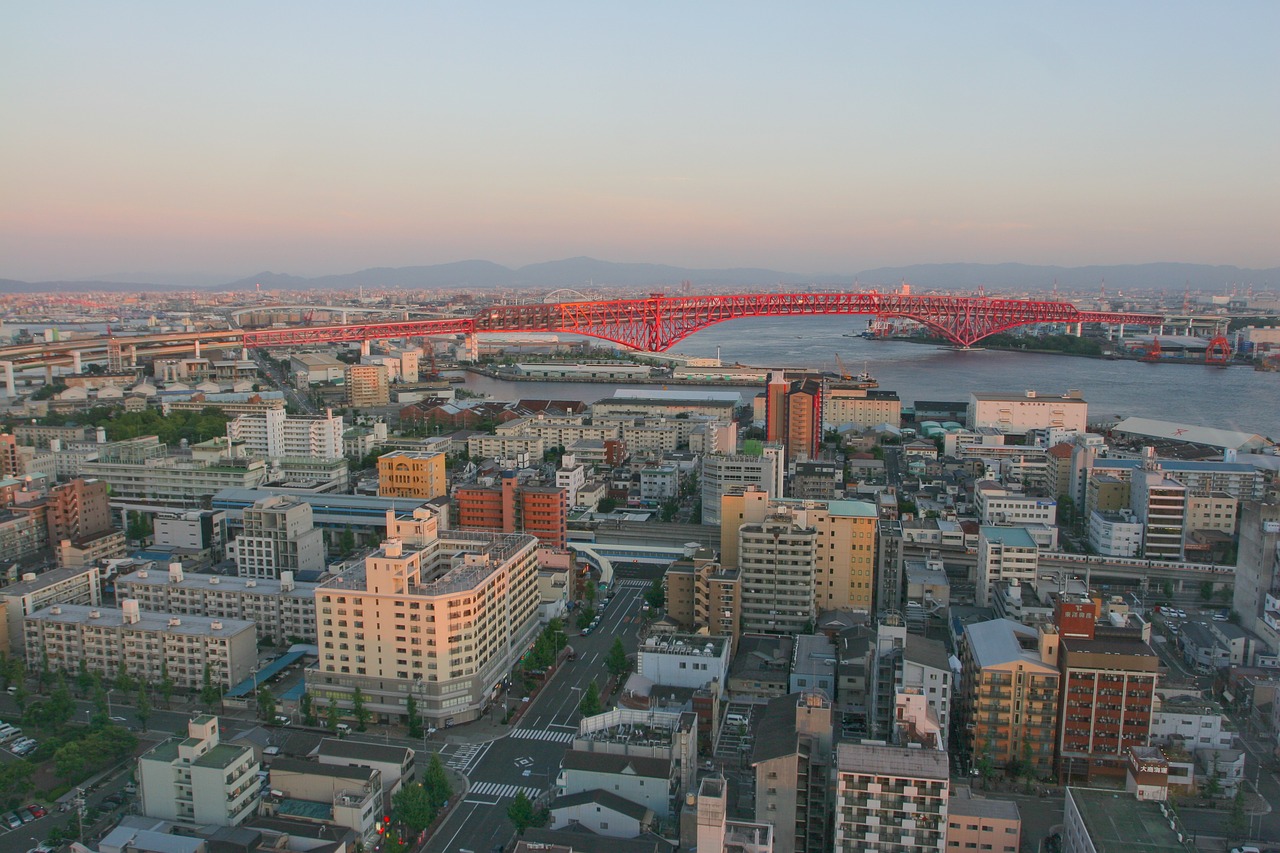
(663, 601)
(639, 427)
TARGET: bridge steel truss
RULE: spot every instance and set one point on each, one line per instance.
(656, 323)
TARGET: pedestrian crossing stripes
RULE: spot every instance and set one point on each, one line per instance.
(464, 756)
(537, 734)
(642, 584)
(497, 789)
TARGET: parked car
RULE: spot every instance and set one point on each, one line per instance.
(12, 820)
(37, 810)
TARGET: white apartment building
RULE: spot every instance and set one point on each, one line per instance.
(571, 478)
(279, 535)
(778, 561)
(1004, 554)
(352, 794)
(199, 781)
(997, 505)
(560, 430)
(282, 610)
(890, 798)
(521, 449)
(74, 585)
(140, 470)
(273, 434)
(659, 483)
(1160, 503)
(439, 614)
(1018, 414)
(732, 475)
(1115, 534)
(1191, 722)
(149, 645)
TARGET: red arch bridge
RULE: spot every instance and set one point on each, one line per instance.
(658, 322)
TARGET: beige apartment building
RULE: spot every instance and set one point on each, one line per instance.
(79, 585)
(148, 645)
(982, 823)
(441, 615)
(844, 558)
(702, 594)
(367, 385)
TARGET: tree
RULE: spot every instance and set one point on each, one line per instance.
(346, 542)
(520, 812)
(266, 701)
(589, 593)
(1238, 821)
(1166, 589)
(15, 779)
(986, 765)
(359, 711)
(436, 781)
(166, 683)
(590, 704)
(412, 807)
(85, 680)
(210, 693)
(616, 661)
(124, 681)
(143, 706)
(308, 709)
(139, 527)
(1206, 591)
(332, 716)
(412, 719)
(655, 596)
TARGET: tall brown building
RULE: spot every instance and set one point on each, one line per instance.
(701, 594)
(367, 385)
(1008, 707)
(793, 415)
(1109, 682)
(78, 510)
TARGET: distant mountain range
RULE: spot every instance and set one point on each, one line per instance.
(577, 273)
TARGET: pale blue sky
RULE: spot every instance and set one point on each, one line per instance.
(312, 137)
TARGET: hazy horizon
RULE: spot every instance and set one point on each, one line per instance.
(221, 141)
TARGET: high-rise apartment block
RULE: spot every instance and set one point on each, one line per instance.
(1004, 554)
(1257, 580)
(278, 535)
(854, 404)
(1160, 503)
(890, 798)
(276, 435)
(1009, 685)
(732, 475)
(367, 385)
(844, 555)
(701, 594)
(793, 415)
(777, 560)
(792, 761)
(441, 615)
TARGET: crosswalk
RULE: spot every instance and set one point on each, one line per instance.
(539, 734)
(465, 755)
(642, 584)
(497, 789)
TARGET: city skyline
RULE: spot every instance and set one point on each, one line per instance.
(314, 140)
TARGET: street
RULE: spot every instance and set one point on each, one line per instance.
(528, 758)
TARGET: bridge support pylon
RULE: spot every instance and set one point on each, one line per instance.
(364, 347)
(197, 345)
(10, 386)
(75, 362)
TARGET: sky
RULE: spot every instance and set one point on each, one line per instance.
(224, 139)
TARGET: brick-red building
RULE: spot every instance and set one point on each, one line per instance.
(541, 511)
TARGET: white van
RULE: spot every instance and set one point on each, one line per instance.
(342, 729)
(735, 720)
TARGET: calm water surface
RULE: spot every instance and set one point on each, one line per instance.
(1237, 398)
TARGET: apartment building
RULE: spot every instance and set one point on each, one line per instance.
(1008, 704)
(78, 510)
(315, 369)
(777, 560)
(440, 615)
(854, 404)
(1256, 596)
(1108, 690)
(1160, 503)
(713, 830)
(702, 594)
(684, 660)
(367, 385)
(74, 585)
(149, 645)
(140, 470)
(1214, 511)
(517, 450)
(350, 796)
(198, 781)
(902, 663)
(1004, 554)
(1115, 534)
(560, 430)
(890, 798)
(279, 535)
(283, 610)
(276, 435)
(792, 761)
(998, 505)
(845, 546)
(194, 530)
(515, 507)
(412, 474)
(731, 475)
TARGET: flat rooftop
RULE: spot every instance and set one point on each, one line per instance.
(1119, 823)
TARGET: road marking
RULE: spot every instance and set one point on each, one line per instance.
(501, 791)
(534, 734)
(573, 729)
